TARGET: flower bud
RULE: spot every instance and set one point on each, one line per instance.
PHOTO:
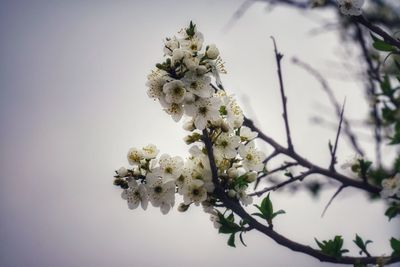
(136, 171)
(212, 51)
(251, 177)
(182, 207)
(122, 172)
(232, 193)
(232, 172)
(189, 126)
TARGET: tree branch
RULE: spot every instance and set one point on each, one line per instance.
(279, 57)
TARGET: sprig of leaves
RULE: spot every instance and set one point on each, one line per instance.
(332, 247)
(362, 245)
(267, 211)
(228, 226)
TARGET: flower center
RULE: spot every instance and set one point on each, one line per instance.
(168, 170)
(196, 192)
(249, 157)
(203, 110)
(158, 189)
(348, 5)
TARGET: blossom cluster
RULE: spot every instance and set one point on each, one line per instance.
(182, 84)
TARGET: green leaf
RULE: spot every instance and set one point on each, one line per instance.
(241, 239)
(392, 211)
(361, 244)
(333, 247)
(382, 46)
(395, 244)
(386, 86)
(231, 240)
(277, 213)
(397, 164)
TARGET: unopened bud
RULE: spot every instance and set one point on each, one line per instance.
(232, 172)
(183, 207)
(122, 172)
(251, 177)
(189, 126)
(212, 51)
(232, 193)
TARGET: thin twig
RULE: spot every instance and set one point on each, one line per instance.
(332, 198)
(277, 186)
(334, 149)
(281, 168)
(279, 57)
(328, 90)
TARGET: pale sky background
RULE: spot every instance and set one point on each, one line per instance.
(73, 101)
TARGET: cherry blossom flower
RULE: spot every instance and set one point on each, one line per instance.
(351, 7)
(203, 110)
(391, 187)
(135, 195)
(252, 158)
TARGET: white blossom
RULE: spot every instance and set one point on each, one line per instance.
(351, 7)
(242, 195)
(194, 192)
(203, 110)
(155, 85)
(391, 186)
(170, 167)
(135, 156)
(135, 195)
(161, 193)
(212, 51)
(252, 158)
(175, 110)
(174, 91)
(122, 172)
(170, 45)
(194, 43)
(150, 151)
(246, 134)
(198, 84)
(227, 144)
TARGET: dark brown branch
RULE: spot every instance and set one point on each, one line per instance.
(307, 164)
(235, 206)
(279, 57)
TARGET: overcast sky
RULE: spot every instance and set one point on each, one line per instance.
(73, 101)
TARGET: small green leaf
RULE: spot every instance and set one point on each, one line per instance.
(392, 211)
(241, 239)
(231, 240)
(382, 46)
(395, 244)
(277, 213)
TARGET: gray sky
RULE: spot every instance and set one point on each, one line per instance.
(73, 101)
